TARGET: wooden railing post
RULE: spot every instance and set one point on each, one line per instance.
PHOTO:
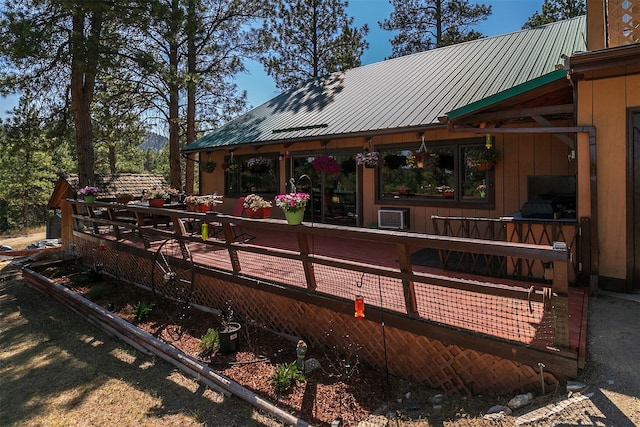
(309, 272)
(408, 287)
(561, 295)
(229, 237)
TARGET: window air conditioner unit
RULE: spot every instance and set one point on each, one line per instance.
(396, 218)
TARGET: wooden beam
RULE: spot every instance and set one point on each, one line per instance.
(562, 137)
(526, 112)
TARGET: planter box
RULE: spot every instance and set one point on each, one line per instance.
(258, 213)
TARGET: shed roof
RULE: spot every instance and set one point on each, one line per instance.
(110, 186)
(404, 93)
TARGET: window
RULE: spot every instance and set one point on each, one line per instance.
(250, 174)
(456, 172)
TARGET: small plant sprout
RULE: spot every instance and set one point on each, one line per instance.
(286, 376)
(209, 343)
(142, 309)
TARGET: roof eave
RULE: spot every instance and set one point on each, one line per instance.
(321, 137)
(499, 97)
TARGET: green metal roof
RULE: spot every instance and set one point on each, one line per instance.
(538, 82)
(406, 92)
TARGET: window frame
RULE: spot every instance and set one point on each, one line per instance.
(275, 170)
(457, 146)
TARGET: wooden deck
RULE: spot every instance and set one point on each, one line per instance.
(394, 271)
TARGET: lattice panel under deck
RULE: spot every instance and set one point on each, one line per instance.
(450, 368)
(447, 367)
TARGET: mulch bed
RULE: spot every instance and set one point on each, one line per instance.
(343, 387)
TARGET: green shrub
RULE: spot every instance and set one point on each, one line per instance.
(209, 343)
(142, 309)
(98, 291)
(286, 375)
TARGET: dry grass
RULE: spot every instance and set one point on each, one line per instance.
(23, 239)
(56, 370)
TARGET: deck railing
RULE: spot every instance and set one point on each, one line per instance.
(382, 266)
(541, 232)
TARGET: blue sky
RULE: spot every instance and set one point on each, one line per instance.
(507, 16)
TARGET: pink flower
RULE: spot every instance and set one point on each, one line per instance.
(326, 164)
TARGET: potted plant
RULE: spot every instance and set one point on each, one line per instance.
(229, 331)
(89, 193)
(209, 166)
(256, 207)
(231, 165)
(155, 197)
(482, 190)
(369, 159)
(326, 164)
(293, 205)
(191, 202)
(481, 158)
(446, 191)
(259, 164)
(416, 159)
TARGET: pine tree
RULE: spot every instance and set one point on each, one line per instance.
(308, 39)
(31, 158)
(556, 10)
(427, 24)
(190, 50)
(57, 49)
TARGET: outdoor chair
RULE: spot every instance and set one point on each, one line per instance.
(239, 235)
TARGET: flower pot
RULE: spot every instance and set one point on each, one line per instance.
(229, 338)
(203, 208)
(191, 207)
(294, 217)
(253, 213)
(123, 200)
(89, 198)
(447, 194)
(266, 212)
(156, 203)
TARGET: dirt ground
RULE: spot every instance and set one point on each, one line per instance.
(22, 240)
(610, 398)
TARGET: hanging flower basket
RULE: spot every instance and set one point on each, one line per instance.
(209, 166)
(259, 165)
(369, 159)
(231, 165)
(293, 205)
(417, 159)
(326, 164)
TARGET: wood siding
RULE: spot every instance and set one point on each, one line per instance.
(603, 104)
